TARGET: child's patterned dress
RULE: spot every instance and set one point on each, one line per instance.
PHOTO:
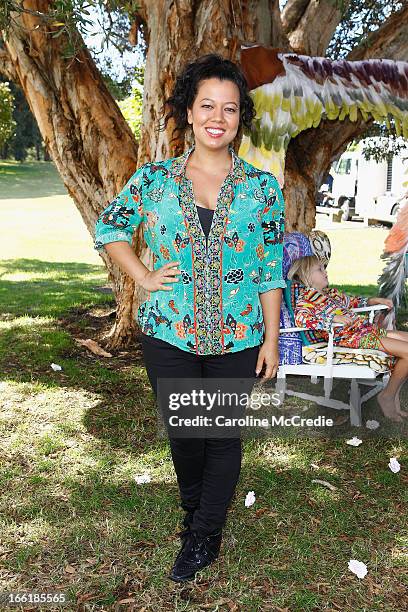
(316, 310)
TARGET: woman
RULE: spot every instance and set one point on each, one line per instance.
(215, 226)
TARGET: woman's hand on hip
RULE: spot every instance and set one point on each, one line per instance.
(156, 280)
(269, 356)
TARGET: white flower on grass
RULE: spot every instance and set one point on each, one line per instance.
(372, 424)
(250, 499)
(56, 367)
(354, 441)
(394, 465)
(357, 567)
(142, 478)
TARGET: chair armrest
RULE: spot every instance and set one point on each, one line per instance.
(288, 330)
(370, 308)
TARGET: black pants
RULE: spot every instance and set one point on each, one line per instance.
(207, 469)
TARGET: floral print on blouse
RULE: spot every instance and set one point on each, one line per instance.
(214, 308)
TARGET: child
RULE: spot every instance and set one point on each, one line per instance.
(319, 306)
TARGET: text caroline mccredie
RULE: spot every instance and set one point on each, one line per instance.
(250, 421)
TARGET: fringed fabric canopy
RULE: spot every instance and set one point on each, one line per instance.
(292, 93)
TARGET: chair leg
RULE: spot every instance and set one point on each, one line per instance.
(328, 386)
(355, 404)
(281, 387)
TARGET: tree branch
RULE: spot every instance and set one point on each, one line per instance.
(390, 41)
(310, 25)
(292, 14)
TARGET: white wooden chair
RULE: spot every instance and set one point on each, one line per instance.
(359, 375)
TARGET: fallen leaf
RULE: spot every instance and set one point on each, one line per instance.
(91, 561)
(85, 597)
(69, 569)
(127, 600)
(93, 346)
(340, 420)
(219, 602)
(260, 511)
(142, 543)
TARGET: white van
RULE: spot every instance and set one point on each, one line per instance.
(367, 189)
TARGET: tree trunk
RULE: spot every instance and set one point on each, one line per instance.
(307, 161)
(180, 31)
(82, 128)
(310, 24)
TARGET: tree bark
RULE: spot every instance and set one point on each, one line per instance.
(310, 25)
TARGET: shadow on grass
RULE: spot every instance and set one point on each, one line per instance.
(43, 316)
(280, 549)
(125, 415)
(46, 288)
(29, 180)
(71, 488)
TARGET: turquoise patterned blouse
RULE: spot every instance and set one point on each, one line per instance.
(214, 308)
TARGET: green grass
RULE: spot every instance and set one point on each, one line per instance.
(72, 517)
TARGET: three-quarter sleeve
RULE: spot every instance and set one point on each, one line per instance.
(273, 227)
(122, 216)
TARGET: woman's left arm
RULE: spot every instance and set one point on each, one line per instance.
(272, 283)
(269, 351)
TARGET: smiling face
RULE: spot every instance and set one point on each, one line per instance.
(318, 277)
(215, 113)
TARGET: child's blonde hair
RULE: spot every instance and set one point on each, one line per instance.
(301, 268)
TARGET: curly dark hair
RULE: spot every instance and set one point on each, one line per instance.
(186, 87)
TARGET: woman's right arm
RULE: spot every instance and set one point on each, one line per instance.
(114, 229)
(152, 280)
(127, 260)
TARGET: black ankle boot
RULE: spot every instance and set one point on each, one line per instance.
(196, 553)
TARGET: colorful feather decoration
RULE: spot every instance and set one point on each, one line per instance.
(392, 281)
(292, 93)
